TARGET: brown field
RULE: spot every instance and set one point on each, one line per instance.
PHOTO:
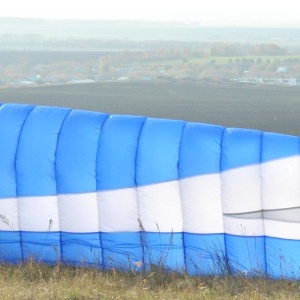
(266, 108)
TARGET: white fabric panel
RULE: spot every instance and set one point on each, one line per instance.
(241, 189)
(202, 204)
(160, 207)
(118, 210)
(280, 229)
(38, 213)
(9, 219)
(78, 212)
(281, 183)
(243, 227)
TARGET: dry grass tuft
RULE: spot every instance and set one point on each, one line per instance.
(33, 280)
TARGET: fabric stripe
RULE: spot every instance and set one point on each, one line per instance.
(240, 147)
(280, 229)
(36, 152)
(200, 150)
(116, 158)
(10, 249)
(9, 216)
(205, 253)
(160, 207)
(39, 213)
(118, 210)
(281, 188)
(78, 212)
(246, 255)
(202, 204)
(283, 258)
(158, 149)
(81, 249)
(277, 146)
(241, 190)
(12, 118)
(122, 250)
(77, 152)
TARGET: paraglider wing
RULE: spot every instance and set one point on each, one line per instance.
(129, 192)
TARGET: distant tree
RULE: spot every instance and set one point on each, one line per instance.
(106, 67)
(267, 49)
(24, 64)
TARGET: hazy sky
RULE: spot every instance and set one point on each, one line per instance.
(231, 12)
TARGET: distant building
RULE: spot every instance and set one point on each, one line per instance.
(289, 81)
(26, 83)
(123, 78)
(268, 81)
(147, 78)
(77, 81)
(281, 70)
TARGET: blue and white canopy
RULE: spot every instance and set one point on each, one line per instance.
(126, 192)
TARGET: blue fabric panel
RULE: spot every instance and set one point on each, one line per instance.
(246, 254)
(35, 159)
(240, 147)
(283, 259)
(10, 248)
(77, 152)
(117, 152)
(41, 246)
(158, 151)
(76, 173)
(122, 250)
(200, 150)
(204, 253)
(81, 248)
(277, 146)
(163, 250)
(12, 117)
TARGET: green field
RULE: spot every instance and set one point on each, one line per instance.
(267, 108)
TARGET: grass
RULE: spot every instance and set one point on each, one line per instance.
(33, 280)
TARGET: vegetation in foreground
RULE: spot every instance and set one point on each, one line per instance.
(33, 280)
